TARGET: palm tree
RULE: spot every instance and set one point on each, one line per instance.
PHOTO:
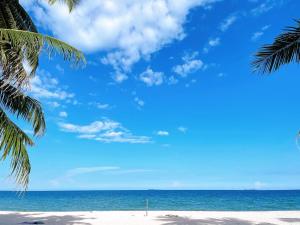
(70, 3)
(21, 43)
(285, 49)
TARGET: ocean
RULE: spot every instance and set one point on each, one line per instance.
(157, 200)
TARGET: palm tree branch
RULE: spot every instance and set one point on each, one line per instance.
(22, 106)
(13, 143)
(12, 65)
(285, 49)
(70, 3)
(32, 42)
(23, 20)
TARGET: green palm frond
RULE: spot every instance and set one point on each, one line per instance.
(17, 46)
(285, 49)
(23, 106)
(70, 3)
(12, 65)
(32, 42)
(13, 142)
(13, 16)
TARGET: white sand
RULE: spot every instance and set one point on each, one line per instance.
(154, 218)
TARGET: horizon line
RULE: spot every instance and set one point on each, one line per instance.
(77, 190)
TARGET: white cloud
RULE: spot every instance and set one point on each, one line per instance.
(119, 77)
(182, 129)
(172, 80)
(44, 86)
(127, 30)
(86, 136)
(263, 7)
(151, 78)
(93, 78)
(63, 114)
(102, 106)
(139, 101)
(227, 22)
(92, 128)
(191, 64)
(193, 81)
(104, 169)
(131, 171)
(53, 104)
(258, 34)
(205, 50)
(162, 133)
(71, 175)
(106, 131)
(214, 42)
(99, 105)
(86, 170)
(265, 27)
(59, 68)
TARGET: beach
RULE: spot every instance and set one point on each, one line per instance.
(153, 218)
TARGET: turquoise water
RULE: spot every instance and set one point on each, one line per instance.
(158, 200)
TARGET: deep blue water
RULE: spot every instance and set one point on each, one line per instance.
(158, 200)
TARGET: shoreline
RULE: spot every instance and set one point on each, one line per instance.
(153, 218)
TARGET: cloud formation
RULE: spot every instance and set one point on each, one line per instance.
(86, 170)
(139, 101)
(127, 30)
(227, 22)
(264, 7)
(214, 42)
(106, 131)
(63, 114)
(162, 133)
(256, 35)
(151, 78)
(182, 129)
(100, 105)
(190, 64)
(71, 175)
(44, 86)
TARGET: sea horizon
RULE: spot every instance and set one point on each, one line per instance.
(158, 200)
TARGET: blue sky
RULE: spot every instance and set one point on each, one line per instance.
(167, 99)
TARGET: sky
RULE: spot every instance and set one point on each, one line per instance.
(167, 99)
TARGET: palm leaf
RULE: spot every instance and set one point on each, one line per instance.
(23, 106)
(13, 143)
(12, 65)
(21, 18)
(30, 44)
(13, 16)
(70, 3)
(285, 49)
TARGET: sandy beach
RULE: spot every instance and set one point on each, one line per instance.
(153, 218)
